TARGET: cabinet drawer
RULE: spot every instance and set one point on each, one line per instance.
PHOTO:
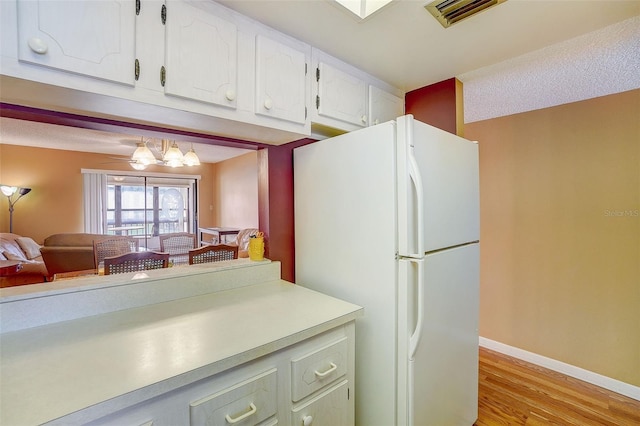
(246, 403)
(327, 409)
(317, 369)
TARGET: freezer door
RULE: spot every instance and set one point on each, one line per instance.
(438, 189)
(440, 344)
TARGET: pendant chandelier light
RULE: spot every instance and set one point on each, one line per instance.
(143, 155)
(170, 153)
(172, 156)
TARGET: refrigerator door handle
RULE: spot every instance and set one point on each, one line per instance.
(414, 339)
(416, 178)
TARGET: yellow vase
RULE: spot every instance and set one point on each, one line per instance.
(256, 248)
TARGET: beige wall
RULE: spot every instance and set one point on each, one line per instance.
(55, 203)
(236, 190)
(560, 233)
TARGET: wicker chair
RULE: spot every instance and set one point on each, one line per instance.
(112, 247)
(213, 253)
(178, 245)
(136, 261)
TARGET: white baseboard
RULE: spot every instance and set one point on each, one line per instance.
(613, 385)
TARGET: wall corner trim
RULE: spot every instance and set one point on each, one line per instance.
(608, 383)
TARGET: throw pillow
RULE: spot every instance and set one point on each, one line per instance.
(29, 247)
(11, 256)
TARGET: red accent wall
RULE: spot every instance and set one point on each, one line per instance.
(275, 204)
(435, 104)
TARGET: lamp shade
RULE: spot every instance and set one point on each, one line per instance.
(143, 155)
(173, 157)
(191, 158)
(8, 190)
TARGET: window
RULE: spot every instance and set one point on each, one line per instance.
(140, 206)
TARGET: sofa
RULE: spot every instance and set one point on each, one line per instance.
(70, 252)
(25, 250)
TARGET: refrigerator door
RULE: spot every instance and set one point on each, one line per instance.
(438, 189)
(440, 342)
(345, 227)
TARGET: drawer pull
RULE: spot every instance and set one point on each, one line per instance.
(252, 411)
(326, 373)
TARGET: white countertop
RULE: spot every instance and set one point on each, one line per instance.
(114, 359)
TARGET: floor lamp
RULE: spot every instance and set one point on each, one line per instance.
(10, 192)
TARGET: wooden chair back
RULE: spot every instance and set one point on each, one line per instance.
(213, 253)
(178, 245)
(136, 261)
(112, 247)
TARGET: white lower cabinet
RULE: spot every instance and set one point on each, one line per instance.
(328, 408)
(309, 383)
(247, 403)
(315, 370)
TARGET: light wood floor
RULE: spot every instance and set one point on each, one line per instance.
(513, 392)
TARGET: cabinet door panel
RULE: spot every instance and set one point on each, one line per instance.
(94, 38)
(201, 56)
(342, 96)
(383, 106)
(280, 81)
(330, 408)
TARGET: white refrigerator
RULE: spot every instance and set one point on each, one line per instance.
(387, 217)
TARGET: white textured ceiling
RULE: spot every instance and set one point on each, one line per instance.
(599, 63)
(405, 46)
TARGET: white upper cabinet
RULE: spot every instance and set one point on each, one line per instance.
(281, 80)
(93, 38)
(346, 98)
(201, 55)
(384, 106)
(341, 96)
(182, 64)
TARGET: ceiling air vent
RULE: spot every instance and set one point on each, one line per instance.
(448, 12)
